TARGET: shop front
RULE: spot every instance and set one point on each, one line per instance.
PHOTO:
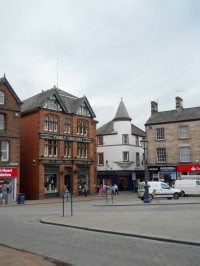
(165, 174)
(187, 170)
(8, 183)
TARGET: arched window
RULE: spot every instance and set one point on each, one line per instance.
(2, 97)
(51, 123)
(82, 128)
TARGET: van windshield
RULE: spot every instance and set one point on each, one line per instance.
(141, 186)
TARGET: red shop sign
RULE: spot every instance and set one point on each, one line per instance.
(188, 168)
(8, 172)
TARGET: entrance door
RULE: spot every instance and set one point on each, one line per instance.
(123, 183)
(68, 182)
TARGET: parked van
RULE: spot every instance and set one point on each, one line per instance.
(188, 186)
(162, 190)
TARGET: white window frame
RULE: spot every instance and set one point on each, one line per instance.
(185, 154)
(2, 97)
(125, 156)
(67, 149)
(82, 149)
(100, 140)
(125, 139)
(161, 155)
(50, 148)
(160, 133)
(4, 151)
(67, 125)
(183, 132)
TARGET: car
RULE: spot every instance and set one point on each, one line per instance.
(161, 189)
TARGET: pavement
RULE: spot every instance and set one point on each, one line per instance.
(126, 215)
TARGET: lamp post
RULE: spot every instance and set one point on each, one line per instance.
(144, 142)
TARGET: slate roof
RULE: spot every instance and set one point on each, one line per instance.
(121, 115)
(68, 102)
(173, 116)
(4, 80)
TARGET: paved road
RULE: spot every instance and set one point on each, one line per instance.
(21, 228)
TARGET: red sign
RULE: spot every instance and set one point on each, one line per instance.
(188, 168)
(8, 172)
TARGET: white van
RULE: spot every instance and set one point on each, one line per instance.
(163, 190)
(188, 186)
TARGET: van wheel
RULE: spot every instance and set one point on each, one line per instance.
(182, 193)
(176, 195)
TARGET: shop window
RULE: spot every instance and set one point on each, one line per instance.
(185, 154)
(125, 139)
(100, 158)
(82, 149)
(161, 155)
(4, 151)
(160, 134)
(50, 183)
(82, 128)
(2, 122)
(51, 123)
(67, 126)
(183, 132)
(2, 97)
(51, 148)
(67, 149)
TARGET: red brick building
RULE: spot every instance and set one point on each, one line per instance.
(58, 145)
(10, 106)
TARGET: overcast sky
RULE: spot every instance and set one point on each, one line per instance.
(137, 50)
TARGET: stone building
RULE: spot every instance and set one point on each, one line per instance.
(10, 106)
(173, 142)
(58, 145)
(119, 152)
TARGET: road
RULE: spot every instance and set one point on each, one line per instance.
(20, 227)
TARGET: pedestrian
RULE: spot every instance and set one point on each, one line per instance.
(116, 190)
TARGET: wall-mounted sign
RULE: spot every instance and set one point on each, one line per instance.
(65, 138)
(188, 168)
(8, 172)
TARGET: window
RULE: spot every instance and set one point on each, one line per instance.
(4, 151)
(125, 156)
(51, 123)
(185, 154)
(183, 132)
(2, 122)
(125, 139)
(137, 159)
(82, 149)
(82, 127)
(67, 149)
(50, 183)
(51, 148)
(160, 133)
(100, 159)
(161, 155)
(67, 126)
(137, 141)
(83, 110)
(2, 97)
(52, 104)
(100, 140)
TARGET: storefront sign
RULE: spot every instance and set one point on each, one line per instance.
(188, 168)
(65, 138)
(8, 172)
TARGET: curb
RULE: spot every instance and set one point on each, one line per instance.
(156, 238)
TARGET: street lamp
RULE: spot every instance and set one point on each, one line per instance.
(144, 142)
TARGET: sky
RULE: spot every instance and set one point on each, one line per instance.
(137, 50)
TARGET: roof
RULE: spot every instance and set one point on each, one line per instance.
(108, 129)
(4, 80)
(173, 116)
(122, 113)
(69, 103)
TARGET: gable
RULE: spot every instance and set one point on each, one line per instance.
(52, 103)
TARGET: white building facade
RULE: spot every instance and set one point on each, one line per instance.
(119, 152)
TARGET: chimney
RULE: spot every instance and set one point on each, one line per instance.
(179, 104)
(154, 108)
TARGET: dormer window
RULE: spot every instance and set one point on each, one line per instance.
(52, 104)
(2, 97)
(83, 110)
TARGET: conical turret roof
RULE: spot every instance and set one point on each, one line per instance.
(122, 114)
